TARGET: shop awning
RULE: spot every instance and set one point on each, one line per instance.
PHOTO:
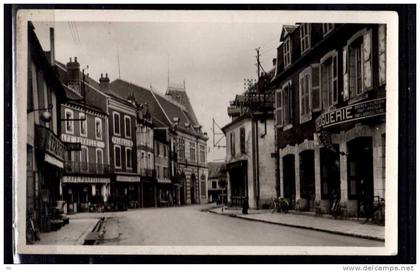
(52, 160)
(166, 181)
(122, 178)
(85, 180)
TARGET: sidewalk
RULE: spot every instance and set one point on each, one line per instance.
(70, 234)
(343, 227)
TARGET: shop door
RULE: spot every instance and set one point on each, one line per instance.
(360, 171)
(330, 173)
(289, 188)
(307, 178)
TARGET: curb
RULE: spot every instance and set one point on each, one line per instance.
(302, 227)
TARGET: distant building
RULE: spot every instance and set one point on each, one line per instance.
(164, 196)
(217, 175)
(86, 171)
(187, 142)
(330, 116)
(145, 155)
(250, 162)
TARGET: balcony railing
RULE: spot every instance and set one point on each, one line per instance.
(48, 142)
(86, 168)
(144, 172)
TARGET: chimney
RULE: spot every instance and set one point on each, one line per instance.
(52, 46)
(104, 82)
(73, 72)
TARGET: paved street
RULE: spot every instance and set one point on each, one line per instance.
(190, 226)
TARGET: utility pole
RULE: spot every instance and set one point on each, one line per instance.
(258, 67)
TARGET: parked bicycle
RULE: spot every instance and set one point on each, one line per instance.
(335, 207)
(378, 214)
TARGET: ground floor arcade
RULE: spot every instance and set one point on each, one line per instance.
(351, 168)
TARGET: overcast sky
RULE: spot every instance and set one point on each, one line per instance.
(212, 58)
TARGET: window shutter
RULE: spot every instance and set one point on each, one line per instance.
(367, 60)
(289, 103)
(315, 93)
(335, 78)
(242, 140)
(382, 53)
(301, 97)
(345, 75)
(324, 86)
(279, 109)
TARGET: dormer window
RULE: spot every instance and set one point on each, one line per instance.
(305, 37)
(287, 52)
(327, 28)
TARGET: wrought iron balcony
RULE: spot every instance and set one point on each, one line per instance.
(71, 167)
(48, 142)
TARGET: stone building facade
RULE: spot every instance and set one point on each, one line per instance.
(330, 116)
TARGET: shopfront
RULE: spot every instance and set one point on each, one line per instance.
(83, 193)
(352, 156)
(50, 155)
(126, 192)
(238, 184)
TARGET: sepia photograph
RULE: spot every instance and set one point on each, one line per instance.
(206, 132)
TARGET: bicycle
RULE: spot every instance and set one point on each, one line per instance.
(378, 214)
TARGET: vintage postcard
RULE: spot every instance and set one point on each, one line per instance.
(205, 132)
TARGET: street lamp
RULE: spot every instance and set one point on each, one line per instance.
(46, 115)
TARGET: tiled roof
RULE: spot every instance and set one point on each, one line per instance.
(287, 29)
(142, 96)
(91, 83)
(181, 97)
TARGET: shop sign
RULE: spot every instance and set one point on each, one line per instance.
(127, 178)
(84, 141)
(81, 179)
(121, 141)
(359, 111)
(73, 146)
(49, 143)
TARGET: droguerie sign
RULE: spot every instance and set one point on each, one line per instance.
(354, 112)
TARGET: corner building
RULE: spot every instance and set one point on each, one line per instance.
(330, 116)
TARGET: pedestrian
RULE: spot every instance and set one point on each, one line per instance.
(245, 206)
(283, 205)
(275, 204)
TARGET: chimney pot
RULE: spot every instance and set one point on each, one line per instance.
(70, 59)
(75, 59)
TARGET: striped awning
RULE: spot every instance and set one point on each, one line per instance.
(85, 180)
(161, 180)
(122, 178)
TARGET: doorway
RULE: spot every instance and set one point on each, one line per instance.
(360, 174)
(307, 178)
(289, 187)
(330, 173)
(192, 188)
